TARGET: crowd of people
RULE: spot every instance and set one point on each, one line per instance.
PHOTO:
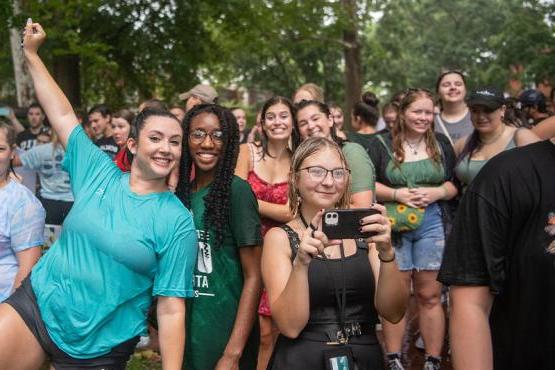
(183, 226)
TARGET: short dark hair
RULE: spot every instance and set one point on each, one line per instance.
(100, 108)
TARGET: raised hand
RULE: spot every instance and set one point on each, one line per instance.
(313, 241)
(33, 37)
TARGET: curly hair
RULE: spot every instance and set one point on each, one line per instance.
(398, 131)
(218, 200)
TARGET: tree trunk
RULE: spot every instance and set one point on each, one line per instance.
(23, 84)
(66, 73)
(352, 56)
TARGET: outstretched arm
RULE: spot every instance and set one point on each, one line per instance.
(56, 106)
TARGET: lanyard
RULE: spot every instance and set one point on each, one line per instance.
(340, 297)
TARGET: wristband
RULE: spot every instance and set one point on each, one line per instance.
(386, 261)
(394, 195)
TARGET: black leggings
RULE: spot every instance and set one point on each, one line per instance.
(24, 302)
(56, 210)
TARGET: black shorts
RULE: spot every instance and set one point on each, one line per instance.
(23, 300)
(56, 210)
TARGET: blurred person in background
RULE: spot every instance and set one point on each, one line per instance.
(28, 138)
(534, 106)
(338, 119)
(199, 94)
(178, 112)
(121, 128)
(308, 91)
(453, 119)
(241, 118)
(364, 119)
(100, 118)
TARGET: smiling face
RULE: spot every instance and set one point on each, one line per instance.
(418, 116)
(451, 88)
(158, 149)
(204, 146)
(485, 120)
(313, 122)
(278, 122)
(321, 193)
(337, 116)
(120, 130)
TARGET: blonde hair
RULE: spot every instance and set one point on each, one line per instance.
(314, 90)
(308, 148)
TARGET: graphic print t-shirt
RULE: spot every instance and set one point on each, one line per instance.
(218, 280)
(108, 145)
(504, 238)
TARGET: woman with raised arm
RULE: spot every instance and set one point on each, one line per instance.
(85, 303)
(327, 295)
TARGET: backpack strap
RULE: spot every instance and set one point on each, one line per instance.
(294, 240)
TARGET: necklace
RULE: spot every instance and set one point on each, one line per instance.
(494, 139)
(414, 149)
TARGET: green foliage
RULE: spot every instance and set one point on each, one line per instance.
(135, 49)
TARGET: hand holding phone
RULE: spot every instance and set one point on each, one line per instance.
(345, 223)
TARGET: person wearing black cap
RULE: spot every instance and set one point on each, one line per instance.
(200, 94)
(493, 133)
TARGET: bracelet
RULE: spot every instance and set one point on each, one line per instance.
(395, 195)
(386, 261)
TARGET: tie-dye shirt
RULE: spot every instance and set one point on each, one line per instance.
(21, 227)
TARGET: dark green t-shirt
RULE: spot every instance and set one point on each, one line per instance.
(218, 280)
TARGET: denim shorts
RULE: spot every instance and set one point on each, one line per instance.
(422, 249)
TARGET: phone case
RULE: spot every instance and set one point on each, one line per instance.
(345, 223)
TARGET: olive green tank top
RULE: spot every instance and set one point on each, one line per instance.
(424, 172)
(467, 169)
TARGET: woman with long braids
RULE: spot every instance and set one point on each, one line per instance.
(414, 173)
(494, 132)
(325, 291)
(22, 220)
(314, 120)
(221, 318)
(266, 168)
(86, 300)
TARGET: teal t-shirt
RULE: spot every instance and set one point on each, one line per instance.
(218, 280)
(117, 249)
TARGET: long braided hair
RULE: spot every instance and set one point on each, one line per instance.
(398, 132)
(218, 200)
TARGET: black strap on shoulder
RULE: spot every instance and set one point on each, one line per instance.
(294, 240)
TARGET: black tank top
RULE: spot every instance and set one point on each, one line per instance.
(359, 283)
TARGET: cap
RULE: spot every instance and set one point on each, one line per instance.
(206, 93)
(489, 97)
(531, 97)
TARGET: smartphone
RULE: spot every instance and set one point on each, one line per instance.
(345, 223)
(4, 111)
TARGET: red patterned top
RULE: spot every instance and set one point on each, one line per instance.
(272, 193)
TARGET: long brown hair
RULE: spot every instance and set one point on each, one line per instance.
(398, 132)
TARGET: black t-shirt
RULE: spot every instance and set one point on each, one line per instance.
(504, 238)
(108, 146)
(26, 140)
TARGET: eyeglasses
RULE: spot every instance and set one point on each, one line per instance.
(198, 136)
(318, 173)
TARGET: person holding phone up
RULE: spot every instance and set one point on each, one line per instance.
(326, 295)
